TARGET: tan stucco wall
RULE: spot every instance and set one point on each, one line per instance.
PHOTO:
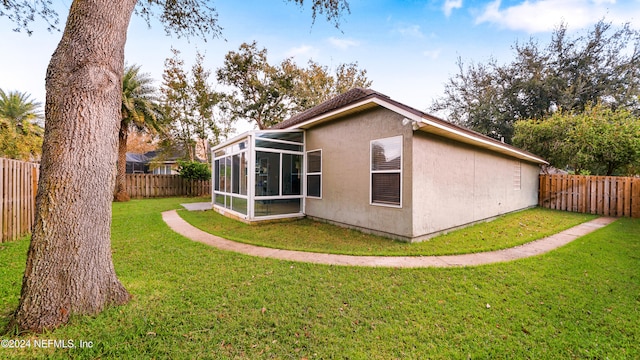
(457, 184)
(446, 184)
(345, 172)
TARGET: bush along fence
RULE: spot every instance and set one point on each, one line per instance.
(18, 188)
(150, 186)
(602, 195)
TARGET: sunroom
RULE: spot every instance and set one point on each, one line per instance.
(258, 175)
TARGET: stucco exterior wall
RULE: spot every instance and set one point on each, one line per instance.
(346, 170)
(457, 184)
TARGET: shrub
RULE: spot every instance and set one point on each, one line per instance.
(194, 170)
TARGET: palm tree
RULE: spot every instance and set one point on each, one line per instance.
(140, 112)
(20, 132)
(16, 107)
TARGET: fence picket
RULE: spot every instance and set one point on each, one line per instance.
(602, 195)
(18, 187)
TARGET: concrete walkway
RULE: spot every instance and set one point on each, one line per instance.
(537, 247)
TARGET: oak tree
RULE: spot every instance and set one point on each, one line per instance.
(69, 266)
(266, 94)
(602, 66)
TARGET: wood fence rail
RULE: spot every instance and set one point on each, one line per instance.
(18, 187)
(602, 195)
(150, 186)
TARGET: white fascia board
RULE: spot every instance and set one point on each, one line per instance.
(232, 140)
(424, 123)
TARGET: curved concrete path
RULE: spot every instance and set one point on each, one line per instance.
(177, 224)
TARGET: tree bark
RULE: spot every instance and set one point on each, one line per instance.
(121, 188)
(69, 267)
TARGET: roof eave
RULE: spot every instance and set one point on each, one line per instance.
(425, 124)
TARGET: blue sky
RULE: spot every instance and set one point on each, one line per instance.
(408, 47)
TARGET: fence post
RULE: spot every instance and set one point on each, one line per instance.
(635, 198)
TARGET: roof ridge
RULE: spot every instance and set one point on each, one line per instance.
(338, 101)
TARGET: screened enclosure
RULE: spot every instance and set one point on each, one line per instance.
(258, 176)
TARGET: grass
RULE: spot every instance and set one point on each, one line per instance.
(308, 235)
(581, 301)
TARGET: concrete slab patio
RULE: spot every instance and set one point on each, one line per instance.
(200, 206)
(541, 246)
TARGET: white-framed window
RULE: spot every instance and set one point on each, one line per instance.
(314, 173)
(163, 170)
(386, 171)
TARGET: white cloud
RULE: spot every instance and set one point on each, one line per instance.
(302, 51)
(410, 31)
(343, 43)
(449, 5)
(432, 54)
(545, 15)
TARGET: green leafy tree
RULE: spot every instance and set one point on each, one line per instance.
(140, 112)
(69, 266)
(260, 92)
(315, 84)
(569, 73)
(598, 141)
(20, 132)
(189, 102)
(267, 94)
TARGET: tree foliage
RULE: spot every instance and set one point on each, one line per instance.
(602, 66)
(259, 91)
(20, 132)
(190, 104)
(194, 170)
(69, 268)
(267, 94)
(598, 141)
(315, 84)
(185, 18)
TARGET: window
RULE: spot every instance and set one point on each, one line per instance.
(517, 175)
(163, 170)
(314, 173)
(386, 171)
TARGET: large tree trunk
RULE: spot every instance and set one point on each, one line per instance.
(69, 266)
(121, 188)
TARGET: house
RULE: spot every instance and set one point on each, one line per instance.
(366, 161)
(151, 163)
(159, 163)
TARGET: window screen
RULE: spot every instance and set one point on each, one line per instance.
(314, 173)
(386, 171)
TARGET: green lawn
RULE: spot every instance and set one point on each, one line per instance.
(308, 235)
(581, 301)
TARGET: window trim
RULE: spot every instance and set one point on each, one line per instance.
(395, 171)
(308, 173)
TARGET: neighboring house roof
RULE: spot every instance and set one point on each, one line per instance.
(158, 157)
(137, 158)
(359, 99)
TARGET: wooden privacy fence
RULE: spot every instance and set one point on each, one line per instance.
(602, 195)
(18, 187)
(149, 186)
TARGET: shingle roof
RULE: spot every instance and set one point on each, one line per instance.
(344, 99)
(437, 125)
